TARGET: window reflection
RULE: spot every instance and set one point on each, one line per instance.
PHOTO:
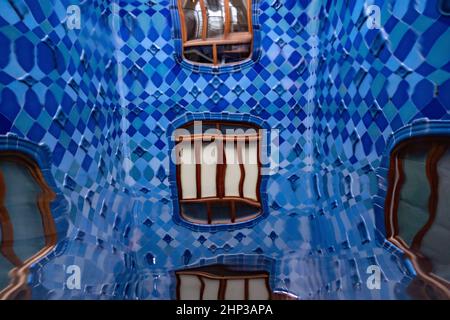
(417, 212)
(194, 19)
(238, 14)
(216, 17)
(27, 231)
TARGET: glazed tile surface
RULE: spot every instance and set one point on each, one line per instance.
(104, 99)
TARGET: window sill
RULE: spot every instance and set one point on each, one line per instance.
(232, 38)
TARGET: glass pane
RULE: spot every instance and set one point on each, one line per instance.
(413, 205)
(221, 212)
(199, 54)
(209, 169)
(439, 232)
(235, 290)
(195, 212)
(238, 15)
(233, 53)
(5, 268)
(194, 19)
(190, 287)
(232, 171)
(20, 201)
(187, 167)
(216, 17)
(211, 291)
(245, 211)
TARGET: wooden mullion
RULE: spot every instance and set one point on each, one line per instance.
(250, 24)
(258, 155)
(246, 290)
(396, 180)
(218, 175)
(242, 168)
(182, 21)
(268, 286)
(178, 288)
(215, 58)
(249, 16)
(221, 171)
(178, 174)
(219, 165)
(233, 211)
(227, 27)
(205, 20)
(209, 212)
(222, 289)
(198, 168)
(202, 287)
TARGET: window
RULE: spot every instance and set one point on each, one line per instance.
(417, 215)
(222, 283)
(218, 172)
(216, 32)
(27, 231)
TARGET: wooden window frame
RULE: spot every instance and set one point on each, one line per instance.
(228, 38)
(18, 289)
(221, 171)
(396, 179)
(223, 274)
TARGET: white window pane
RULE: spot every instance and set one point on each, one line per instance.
(187, 171)
(235, 290)
(209, 170)
(257, 290)
(190, 287)
(211, 289)
(250, 158)
(232, 172)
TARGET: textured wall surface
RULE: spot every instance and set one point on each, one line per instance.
(104, 98)
(58, 87)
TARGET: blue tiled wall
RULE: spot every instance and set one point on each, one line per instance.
(103, 99)
(58, 87)
(374, 83)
